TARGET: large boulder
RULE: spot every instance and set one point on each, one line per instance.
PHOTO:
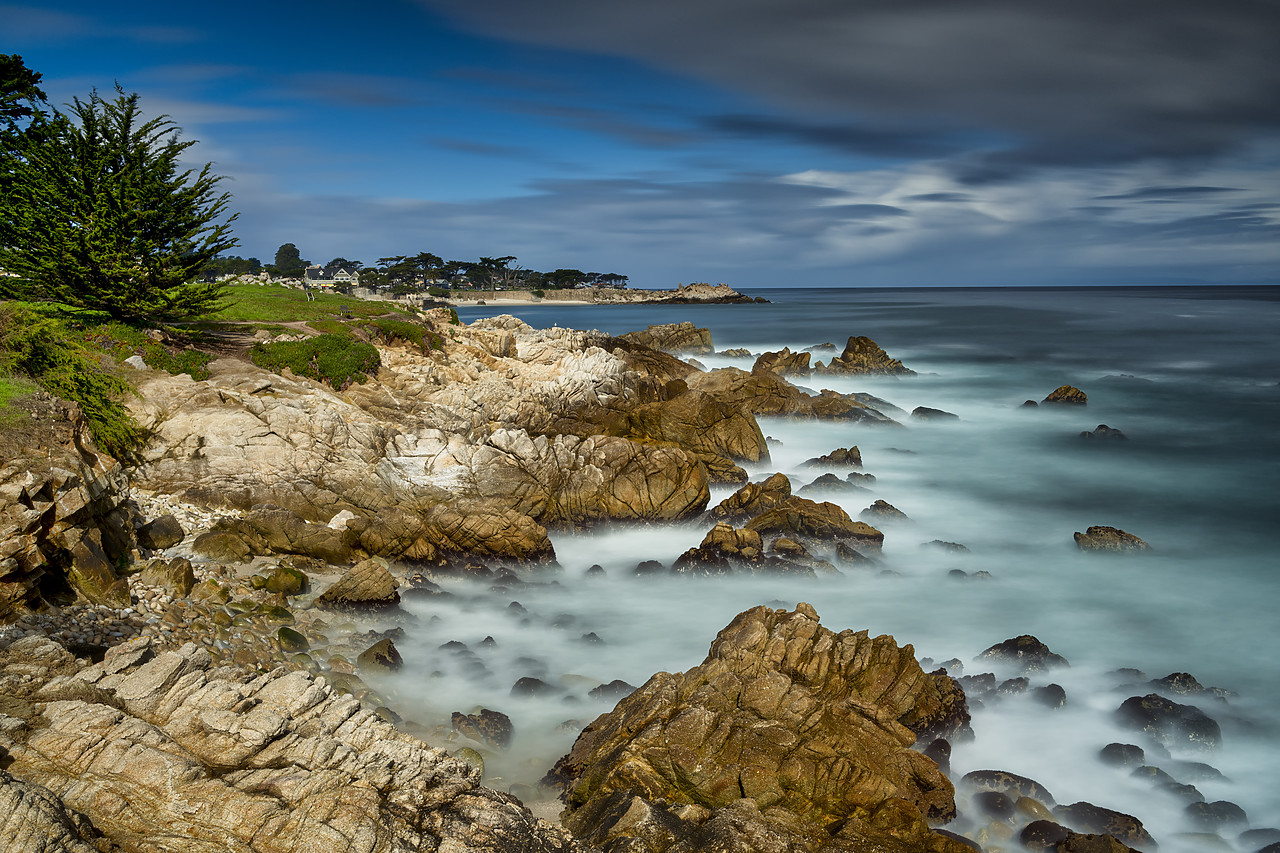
(753, 499)
(702, 423)
(786, 728)
(863, 356)
(674, 338)
(1169, 722)
(782, 363)
(271, 529)
(803, 519)
(366, 586)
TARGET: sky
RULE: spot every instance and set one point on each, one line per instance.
(763, 143)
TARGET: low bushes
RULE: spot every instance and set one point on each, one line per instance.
(332, 359)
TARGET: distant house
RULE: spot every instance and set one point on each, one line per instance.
(318, 276)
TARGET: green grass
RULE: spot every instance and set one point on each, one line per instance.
(332, 359)
(13, 388)
(274, 303)
(121, 341)
(331, 327)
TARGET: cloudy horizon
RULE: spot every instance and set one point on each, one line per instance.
(819, 143)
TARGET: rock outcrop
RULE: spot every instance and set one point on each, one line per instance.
(1066, 395)
(682, 338)
(782, 363)
(767, 394)
(864, 357)
(66, 519)
(810, 521)
(787, 733)
(1102, 538)
(753, 499)
(162, 753)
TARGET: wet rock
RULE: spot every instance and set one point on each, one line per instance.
(1096, 819)
(1110, 539)
(1262, 836)
(790, 548)
(1066, 395)
(611, 692)
(292, 641)
(829, 484)
(841, 457)
(1105, 432)
(994, 805)
(1178, 684)
(722, 543)
(1026, 653)
(924, 413)
(803, 519)
(591, 638)
(753, 499)
(863, 356)
(1217, 816)
(382, 656)
(1197, 771)
(726, 741)
(1010, 784)
(649, 567)
(1151, 774)
(491, 727)
(596, 570)
(160, 533)
(1043, 835)
(1013, 686)
(1077, 842)
(949, 547)
(1169, 722)
(93, 576)
(848, 554)
(784, 363)
(882, 511)
(1051, 695)
(530, 686)
(1030, 404)
(366, 586)
(939, 749)
(1122, 755)
(1184, 792)
(735, 352)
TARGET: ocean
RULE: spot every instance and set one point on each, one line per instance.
(1189, 374)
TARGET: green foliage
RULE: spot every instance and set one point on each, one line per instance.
(122, 341)
(98, 212)
(437, 292)
(289, 262)
(538, 293)
(333, 359)
(13, 388)
(19, 93)
(331, 327)
(391, 330)
(57, 360)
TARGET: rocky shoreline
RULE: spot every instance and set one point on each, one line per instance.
(196, 645)
(684, 294)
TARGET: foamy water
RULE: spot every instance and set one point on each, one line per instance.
(1189, 376)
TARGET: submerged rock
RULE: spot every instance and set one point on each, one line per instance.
(844, 457)
(1096, 819)
(924, 413)
(1169, 722)
(1100, 538)
(1026, 653)
(785, 727)
(367, 585)
(883, 511)
(1104, 431)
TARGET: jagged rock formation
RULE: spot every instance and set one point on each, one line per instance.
(787, 733)
(1067, 395)
(806, 520)
(753, 499)
(783, 363)
(65, 516)
(164, 754)
(863, 356)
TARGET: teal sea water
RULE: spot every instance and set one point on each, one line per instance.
(1190, 375)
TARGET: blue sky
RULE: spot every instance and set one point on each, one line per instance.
(757, 142)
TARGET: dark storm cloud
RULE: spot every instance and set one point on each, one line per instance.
(943, 197)
(624, 126)
(356, 90)
(869, 141)
(1169, 193)
(1090, 81)
(484, 149)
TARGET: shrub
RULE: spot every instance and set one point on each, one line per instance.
(59, 362)
(327, 358)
